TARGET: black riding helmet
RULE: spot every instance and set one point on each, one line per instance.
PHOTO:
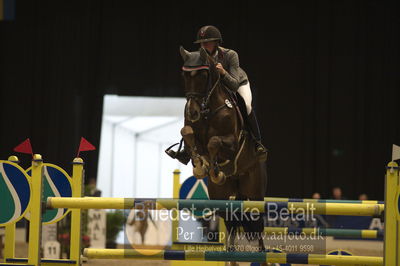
(208, 33)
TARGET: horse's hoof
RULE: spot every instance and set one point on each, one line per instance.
(220, 179)
(199, 172)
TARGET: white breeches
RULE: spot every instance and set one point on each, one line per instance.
(245, 92)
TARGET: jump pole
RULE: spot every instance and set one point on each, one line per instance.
(260, 206)
(391, 239)
(323, 200)
(269, 257)
(345, 233)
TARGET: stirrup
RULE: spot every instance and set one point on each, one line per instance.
(171, 153)
(180, 155)
(183, 156)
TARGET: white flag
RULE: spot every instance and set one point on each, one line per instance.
(395, 152)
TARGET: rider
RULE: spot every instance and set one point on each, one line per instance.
(233, 77)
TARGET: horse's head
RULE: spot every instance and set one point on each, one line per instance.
(198, 73)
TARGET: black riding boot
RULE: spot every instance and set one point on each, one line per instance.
(255, 130)
(181, 155)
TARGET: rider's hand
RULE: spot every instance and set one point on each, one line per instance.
(220, 69)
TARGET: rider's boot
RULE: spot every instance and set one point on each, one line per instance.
(181, 155)
(261, 151)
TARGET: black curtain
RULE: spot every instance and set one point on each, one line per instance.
(324, 76)
(52, 80)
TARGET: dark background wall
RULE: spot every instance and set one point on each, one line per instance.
(325, 79)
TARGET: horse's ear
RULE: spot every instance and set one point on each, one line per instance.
(185, 54)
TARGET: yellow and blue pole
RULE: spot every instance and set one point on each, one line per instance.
(269, 257)
(260, 206)
(335, 232)
(279, 199)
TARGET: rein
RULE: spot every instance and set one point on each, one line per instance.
(204, 106)
(205, 97)
(210, 92)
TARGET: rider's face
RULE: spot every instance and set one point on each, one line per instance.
(209, 46)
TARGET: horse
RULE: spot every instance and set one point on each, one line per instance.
(220, 147)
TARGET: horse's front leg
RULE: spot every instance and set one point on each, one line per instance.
(215, 146)
(200, 168)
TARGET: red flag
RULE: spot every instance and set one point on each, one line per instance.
(85, 146)
(24, 147)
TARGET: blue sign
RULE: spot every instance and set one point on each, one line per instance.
(15, 192)
(193, 188)
(56, 183)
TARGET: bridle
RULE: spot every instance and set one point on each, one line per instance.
(204, 98)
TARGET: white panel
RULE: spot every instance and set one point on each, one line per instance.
(143, 106)
(139, 167)
(123, 163)
(148, 170)
(104, 176)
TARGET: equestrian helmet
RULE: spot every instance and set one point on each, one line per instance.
(208, 33)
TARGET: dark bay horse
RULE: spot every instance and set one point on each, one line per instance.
(219, 145)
